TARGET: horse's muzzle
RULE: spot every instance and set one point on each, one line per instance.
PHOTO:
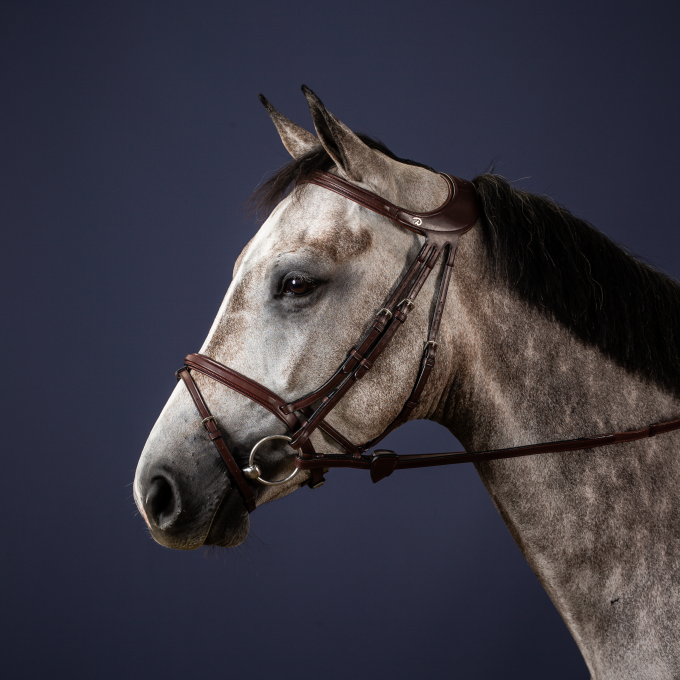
(186, 511)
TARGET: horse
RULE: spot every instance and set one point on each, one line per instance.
(550, 331)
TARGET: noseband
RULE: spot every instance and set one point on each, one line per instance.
(442, 229)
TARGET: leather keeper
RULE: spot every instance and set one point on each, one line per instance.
(432, 260)
(362, 360)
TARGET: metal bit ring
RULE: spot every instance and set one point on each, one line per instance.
(254, 472)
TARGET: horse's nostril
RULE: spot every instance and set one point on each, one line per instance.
(161, 504)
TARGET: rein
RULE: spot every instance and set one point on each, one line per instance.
(442, 228)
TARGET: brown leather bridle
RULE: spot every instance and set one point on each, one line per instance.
(442, 228)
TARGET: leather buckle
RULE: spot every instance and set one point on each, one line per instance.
(204, 422)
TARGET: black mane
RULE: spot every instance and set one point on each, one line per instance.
(577, 276)
(558, 263)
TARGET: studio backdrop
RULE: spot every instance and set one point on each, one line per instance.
(132, 137)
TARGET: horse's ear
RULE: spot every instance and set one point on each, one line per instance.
(297, 140)
(355, 160)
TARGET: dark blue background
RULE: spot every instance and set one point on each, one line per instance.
(131, 133)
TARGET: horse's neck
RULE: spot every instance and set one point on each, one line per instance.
(600, 528)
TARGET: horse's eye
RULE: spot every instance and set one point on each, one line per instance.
(298, 286)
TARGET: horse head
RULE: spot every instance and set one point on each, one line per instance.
(303, 290)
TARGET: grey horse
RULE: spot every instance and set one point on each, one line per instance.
(550, 331)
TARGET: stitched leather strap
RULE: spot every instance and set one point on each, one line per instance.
(266, 398)
(260, 395)
(383, 463)
(216, 436)
(243, 385)
(376, 329)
